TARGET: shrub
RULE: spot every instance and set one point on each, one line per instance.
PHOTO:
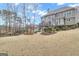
(48, 29)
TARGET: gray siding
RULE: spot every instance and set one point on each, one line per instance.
(71, 17)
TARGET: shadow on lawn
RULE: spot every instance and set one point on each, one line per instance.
(3, 54)
(45, 33)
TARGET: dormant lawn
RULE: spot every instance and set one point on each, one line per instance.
(60, 43)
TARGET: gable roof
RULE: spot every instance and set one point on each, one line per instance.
(62, 9)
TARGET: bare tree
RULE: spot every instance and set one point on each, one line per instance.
(4, 18)
(35, 7)
(0, 26)
(19, 22)
(8, 16)
(24, 15)
(11, 15)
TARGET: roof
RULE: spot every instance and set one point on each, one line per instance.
(62, 9)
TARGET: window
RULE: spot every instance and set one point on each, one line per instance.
(68, 13)
(49, 23)
(65, 14)
(56, 15)
(68, 19)
(59, 21)
(73, 12)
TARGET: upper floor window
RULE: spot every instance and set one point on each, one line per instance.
(68, 13)
(73, 12)
(56, 15)
(65, 14)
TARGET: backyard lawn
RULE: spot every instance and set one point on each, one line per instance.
(60, 43)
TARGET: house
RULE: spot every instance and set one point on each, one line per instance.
(65, 16)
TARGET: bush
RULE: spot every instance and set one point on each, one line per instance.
(48, 29)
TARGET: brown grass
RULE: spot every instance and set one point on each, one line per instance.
(61, 43)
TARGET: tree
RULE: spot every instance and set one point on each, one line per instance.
(11, 14)
(5, 18)
(19, 22)
(24, 15)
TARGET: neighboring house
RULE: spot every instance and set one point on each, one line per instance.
(62, 16)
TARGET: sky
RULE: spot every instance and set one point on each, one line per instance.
(42, 9)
